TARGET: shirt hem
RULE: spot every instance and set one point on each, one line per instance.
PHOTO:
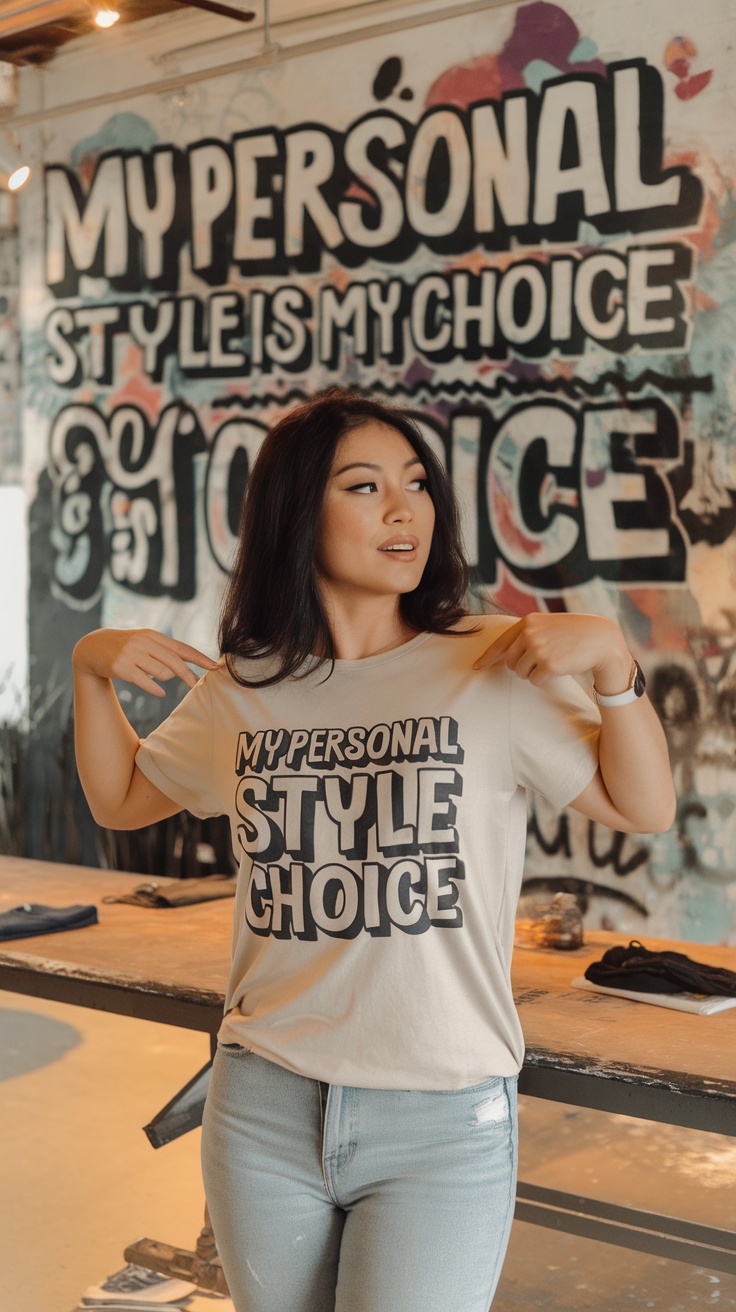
(155, 775)
(563, 797)
(355, 1078)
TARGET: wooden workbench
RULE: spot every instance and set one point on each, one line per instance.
(591, 1050)
(172, 966)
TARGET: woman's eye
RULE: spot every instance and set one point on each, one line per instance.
(418, 484)
(362, 487)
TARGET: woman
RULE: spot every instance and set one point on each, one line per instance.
(372, 744)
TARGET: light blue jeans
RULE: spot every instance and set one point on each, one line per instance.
(325, 1198)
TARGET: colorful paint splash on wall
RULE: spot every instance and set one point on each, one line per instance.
(545, 43)
(678, 56)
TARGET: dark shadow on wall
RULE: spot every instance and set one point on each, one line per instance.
(43, 810)
(58, 825)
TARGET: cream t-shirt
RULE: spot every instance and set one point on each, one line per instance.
(379, 819)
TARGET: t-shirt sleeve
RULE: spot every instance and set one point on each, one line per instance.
(177, 756)
(554, 737)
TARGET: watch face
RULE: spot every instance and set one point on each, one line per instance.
(640, 682)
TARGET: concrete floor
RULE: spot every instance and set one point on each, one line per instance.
(80, 1180)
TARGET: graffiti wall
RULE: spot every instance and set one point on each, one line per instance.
(520, 222)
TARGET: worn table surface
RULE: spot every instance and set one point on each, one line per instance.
(172, 965)
(656, 1049)
(167, 964)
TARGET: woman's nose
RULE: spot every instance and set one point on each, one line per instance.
(398, 509)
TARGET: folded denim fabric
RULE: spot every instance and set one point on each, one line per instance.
(182, 893)
(33, 918)
(642, 971)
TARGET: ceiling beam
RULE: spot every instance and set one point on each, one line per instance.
(29, 18)
(214, 7)
(38, 14)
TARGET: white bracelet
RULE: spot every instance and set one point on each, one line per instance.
(635, 690)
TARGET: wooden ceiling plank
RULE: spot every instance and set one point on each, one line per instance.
(49, 12)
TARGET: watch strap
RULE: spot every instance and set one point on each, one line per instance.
(635, 690)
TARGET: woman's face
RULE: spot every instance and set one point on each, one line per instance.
(377, 517)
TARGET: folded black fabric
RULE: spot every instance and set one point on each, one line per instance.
(32, 919)
(643, 971)
(183, 893)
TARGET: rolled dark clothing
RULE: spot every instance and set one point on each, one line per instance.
(642, 971)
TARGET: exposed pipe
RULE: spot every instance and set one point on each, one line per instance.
(214, 7)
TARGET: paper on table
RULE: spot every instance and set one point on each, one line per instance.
(121, 1305)
(137, 1286)
(696, 1002)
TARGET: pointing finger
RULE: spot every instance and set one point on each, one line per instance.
(497, 650)
(192, 654)
(147, 682)
(173, 664)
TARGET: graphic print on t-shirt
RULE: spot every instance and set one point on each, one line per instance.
(381, 798)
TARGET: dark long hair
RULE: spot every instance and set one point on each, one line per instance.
(272, 605)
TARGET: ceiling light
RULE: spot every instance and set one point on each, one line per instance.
(13, 172)
(18, 177)
(106, 17)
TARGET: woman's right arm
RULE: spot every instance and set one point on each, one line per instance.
(119, 794)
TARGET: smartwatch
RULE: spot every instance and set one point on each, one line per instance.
(637, 688)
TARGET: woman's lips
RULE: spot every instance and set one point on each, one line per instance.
(400, 546)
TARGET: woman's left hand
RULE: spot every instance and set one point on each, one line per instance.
(542, 646)
(632, 790)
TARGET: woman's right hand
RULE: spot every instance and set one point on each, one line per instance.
(139, 656)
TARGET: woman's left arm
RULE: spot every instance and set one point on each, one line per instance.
(632, 789)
